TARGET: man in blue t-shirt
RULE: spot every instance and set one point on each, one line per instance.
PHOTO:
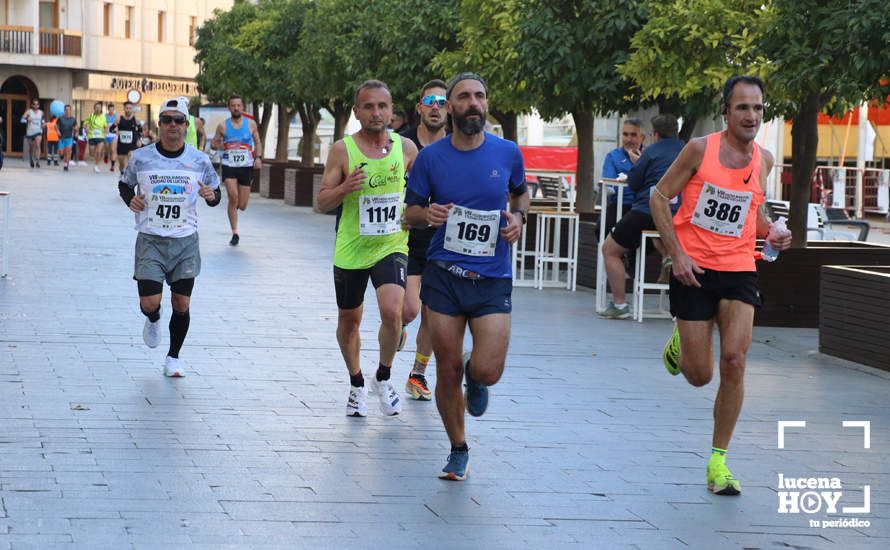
(619, 161)
(626, 235)
(460, 185)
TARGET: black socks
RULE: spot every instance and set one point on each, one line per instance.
(179, 327)
(358, 380)
(154, 316)
(383, 373)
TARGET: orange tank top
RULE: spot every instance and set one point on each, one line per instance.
(52, 131)
(717, 222)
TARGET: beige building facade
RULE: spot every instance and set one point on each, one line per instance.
(84, 51)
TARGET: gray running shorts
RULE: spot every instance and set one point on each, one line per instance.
(167, 258)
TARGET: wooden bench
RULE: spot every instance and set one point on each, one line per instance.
(853, 314)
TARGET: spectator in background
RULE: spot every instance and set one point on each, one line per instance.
(81, 143)
(626, 234)
(147, 136)
(618, 162)
(399, 121)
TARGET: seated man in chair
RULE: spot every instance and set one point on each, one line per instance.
(626, 234)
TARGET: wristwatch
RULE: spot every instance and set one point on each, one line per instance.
(522, 214)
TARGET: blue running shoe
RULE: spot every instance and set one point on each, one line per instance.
(458, 466)
(476, 394)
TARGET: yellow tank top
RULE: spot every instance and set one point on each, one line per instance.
(369, 224)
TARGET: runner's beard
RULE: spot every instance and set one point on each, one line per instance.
(469, 127)
(432, 127)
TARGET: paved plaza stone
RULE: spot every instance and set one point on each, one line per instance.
(588, 442)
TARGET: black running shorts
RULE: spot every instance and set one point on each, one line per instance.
(350, 284)
(691, 303)
(242, 174)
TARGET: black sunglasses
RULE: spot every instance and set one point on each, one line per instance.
(167, 119)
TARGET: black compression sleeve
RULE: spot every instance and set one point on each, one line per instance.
(412, 199)
(519, 189)
(217, 197)
(126, 192)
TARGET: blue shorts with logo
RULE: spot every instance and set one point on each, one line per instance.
(65, 143)
(454, 295)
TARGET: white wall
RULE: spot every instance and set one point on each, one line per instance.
(51, 83)
(142, 54)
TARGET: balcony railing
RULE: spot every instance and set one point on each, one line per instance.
(60, 42)
(18, 39)
(15, 39)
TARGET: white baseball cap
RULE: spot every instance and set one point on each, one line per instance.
(179, 104)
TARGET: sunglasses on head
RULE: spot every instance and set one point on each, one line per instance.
(167, 119)
(433, 99)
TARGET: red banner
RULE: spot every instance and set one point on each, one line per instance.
(560, 159)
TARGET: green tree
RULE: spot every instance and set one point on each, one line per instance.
(415, 33)
(688, 48)
(332, 57)
(342, 45)
(225, 69)
(272, 37)
(488, 44)
(824, 56)
(569, 54)
(222, 66)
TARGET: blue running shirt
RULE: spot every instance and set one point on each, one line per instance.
(477, 182)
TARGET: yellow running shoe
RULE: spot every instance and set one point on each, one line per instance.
(671, 354)
(720, 480)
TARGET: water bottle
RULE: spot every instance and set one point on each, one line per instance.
(769, 253)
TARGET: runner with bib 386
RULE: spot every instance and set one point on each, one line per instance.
(364, 178)
(711, 240)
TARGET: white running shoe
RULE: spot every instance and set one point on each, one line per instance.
(357, 403)
(389, 399)
(83, 163)
(96, 169)
(151, 332)
(173, 367)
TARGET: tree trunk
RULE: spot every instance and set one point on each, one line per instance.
(508, 124)
(804, 141)
(584, 177)
(688, 127)
(341, 111)
(285, 115)
(310, 115)
(263, 120)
